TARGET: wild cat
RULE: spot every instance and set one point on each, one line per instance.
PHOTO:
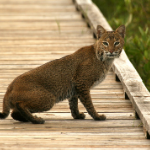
(70, 77)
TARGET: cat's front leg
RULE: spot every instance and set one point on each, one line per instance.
(85, 98)
(73, 103)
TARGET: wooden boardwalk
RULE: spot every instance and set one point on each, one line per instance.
(33, 32)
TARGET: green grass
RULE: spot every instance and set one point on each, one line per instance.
(58, 25)
(135, 14)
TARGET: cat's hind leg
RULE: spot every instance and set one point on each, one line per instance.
(35, 101)
(73, 103)
(16, 115)
(27, 114)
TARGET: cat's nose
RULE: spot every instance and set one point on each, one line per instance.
(111, 51)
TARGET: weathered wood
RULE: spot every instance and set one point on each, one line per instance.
(77, 148)
(142, 107)
(127, 74)
(100, 107)
(73, 124)
(29, 8)
(31, 35)
(67, 115)
(79, 143)
(29, 2)
(40, 18)
(73, 25)
(78, 130)
(63, 41)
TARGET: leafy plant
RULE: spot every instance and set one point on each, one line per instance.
(138, 51)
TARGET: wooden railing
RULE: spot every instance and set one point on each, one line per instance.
(132, 83)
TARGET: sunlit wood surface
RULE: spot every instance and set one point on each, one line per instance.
(33, 32)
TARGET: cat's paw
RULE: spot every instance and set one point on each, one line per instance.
(38, 120)
(80, 116)
(100, 117)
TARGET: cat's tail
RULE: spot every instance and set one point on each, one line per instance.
(6, 109)
(6, 106)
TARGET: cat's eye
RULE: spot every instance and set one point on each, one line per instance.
(116, 43)
(105, 43)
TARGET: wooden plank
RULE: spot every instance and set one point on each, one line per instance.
(99, 109)
(35, 4)
(54, 25)
(40, 17)
(61, 116)
(6, 12)
(38, 49)
(100, 95)
(79, 143)
(47, 37)
(80, 35)
(36, 28)
(96, 97)
(13, 147)
(100, 100)
(78, 147)
(133, 130)
(23, 8)
(37, 52)
(45, 34)
(49, 33)
(98, 106)
(39, 42)
(46, 44)
(6, 124)
(6, 2)
(142, 105)
(72, 137)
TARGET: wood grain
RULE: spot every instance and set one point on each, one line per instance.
(33, 32)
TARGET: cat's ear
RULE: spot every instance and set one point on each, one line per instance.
(121, 30)
(100, 31)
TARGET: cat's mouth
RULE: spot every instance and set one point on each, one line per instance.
(112, 55)
(103, 56)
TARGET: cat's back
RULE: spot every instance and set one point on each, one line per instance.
(58, 72)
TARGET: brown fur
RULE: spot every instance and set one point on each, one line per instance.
(70, 77)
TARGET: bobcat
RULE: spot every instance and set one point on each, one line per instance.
(70, 77)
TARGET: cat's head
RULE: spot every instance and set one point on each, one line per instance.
(109, 43)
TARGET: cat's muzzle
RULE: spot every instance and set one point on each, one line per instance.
(113, 55)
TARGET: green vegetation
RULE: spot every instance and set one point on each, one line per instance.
(135, 14)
